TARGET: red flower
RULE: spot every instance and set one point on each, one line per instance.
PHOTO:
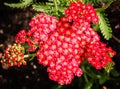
(77, 11)
(98, 55)
(41, 27)
(63, 45)
(21, 37)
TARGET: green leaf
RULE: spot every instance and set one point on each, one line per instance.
(104, 78)
(96, 27)
(114, 73)
(95, 2)
(88, 85)
(21, 4)
(57, 87)
(104, 26)
(41, 7)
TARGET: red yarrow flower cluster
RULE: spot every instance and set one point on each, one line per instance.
(73, 42)
(13, 56)
(98, 55)
(41, 27)
(80, 12)
(63, 45)
(20, 38)
(62, 56)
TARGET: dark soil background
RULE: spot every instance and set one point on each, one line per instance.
(34, 76)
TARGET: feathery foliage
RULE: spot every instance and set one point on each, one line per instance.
(50, 7)
(104, 26)
(21, 4)
(95, 2)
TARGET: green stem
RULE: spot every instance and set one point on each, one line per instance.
(56, 6)
(31, 56)
(84, 75)
(105, 7)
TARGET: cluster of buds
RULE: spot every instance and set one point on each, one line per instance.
(63, 45)
(13, 56)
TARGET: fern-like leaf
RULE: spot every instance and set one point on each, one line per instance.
(43, 7)
(104, 26)
(49, 7)
(95, 2)
(21, 4)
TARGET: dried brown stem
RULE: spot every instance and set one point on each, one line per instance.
(116, 39)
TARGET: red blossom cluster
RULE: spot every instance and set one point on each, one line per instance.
(98, 55)
(73, 42)
(13, 56)
(41, 27)
(20, 38)
(62, 56)
(81, 13)
(63, 45)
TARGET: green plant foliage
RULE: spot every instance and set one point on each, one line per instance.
(109, 66)
(95, 2)
(50, 7)
(104, 77)
(44, 7)
(21, 4)
(104, 26)
(57, 87)
(88, 85)
(63, 3)
(114, 73)
(93, 76)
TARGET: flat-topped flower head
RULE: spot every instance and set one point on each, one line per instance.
(99, 55)
(77, 11)
(41, 27)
